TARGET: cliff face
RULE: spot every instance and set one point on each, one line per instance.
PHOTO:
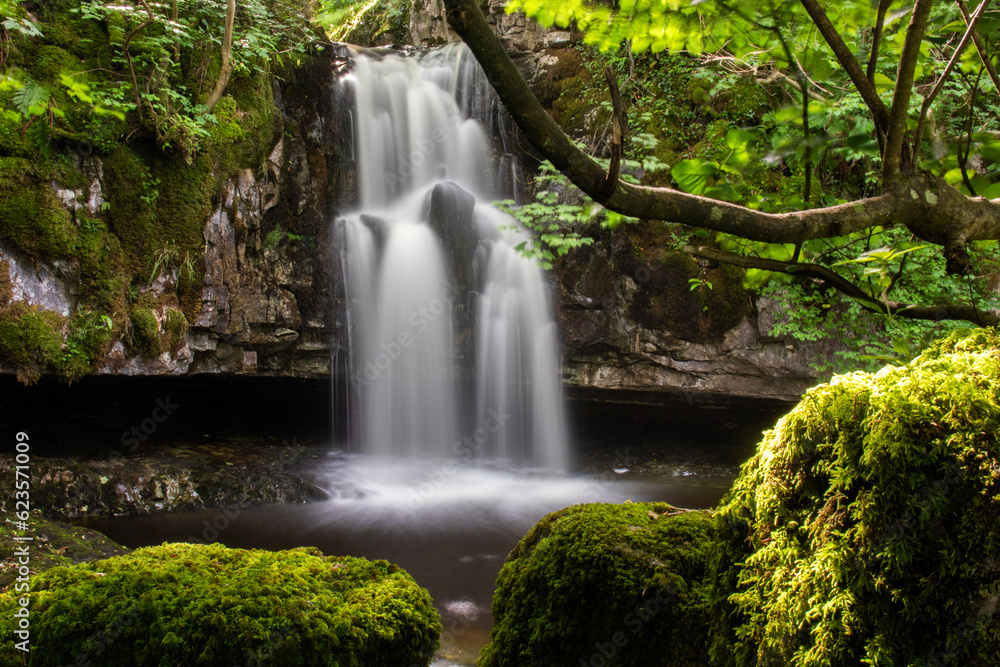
(257, 289)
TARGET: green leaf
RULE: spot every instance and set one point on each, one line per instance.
(692, 175)
(883, 84)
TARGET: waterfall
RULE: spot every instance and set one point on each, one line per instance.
(453, 348)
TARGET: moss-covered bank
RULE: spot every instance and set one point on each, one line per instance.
(182, 604)
(605, 585)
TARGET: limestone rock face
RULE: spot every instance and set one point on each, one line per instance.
(630, 322)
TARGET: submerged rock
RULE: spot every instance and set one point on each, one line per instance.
(867, 527)
(184, 604)
(605, 585)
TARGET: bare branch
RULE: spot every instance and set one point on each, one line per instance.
(883, 8)
(981, 47)
(962, 312)
(618, 132)
(227, 62)
(925, 107)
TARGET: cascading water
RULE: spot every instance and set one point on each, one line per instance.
(454, 351)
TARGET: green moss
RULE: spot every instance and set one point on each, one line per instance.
(29, 340)
(605, 584)
(30, 213)
(175, 326)
(184, 604)
(146, 332)
(867, 527)
(53, 61)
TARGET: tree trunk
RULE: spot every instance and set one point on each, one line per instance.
(227, 62)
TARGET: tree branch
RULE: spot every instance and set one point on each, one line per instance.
(981, 47)
(850, 64)
(619, 129)
(925, 107)
(883, 8)
(867, 301)
(892, 158)
(925, 204)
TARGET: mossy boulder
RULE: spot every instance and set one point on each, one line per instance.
(605, 585)
(867, 527)
(184, 604)
(52, 544)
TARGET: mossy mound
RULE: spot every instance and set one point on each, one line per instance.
(867, 527)
(605, 585)
(183, 604)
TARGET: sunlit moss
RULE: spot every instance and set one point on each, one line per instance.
(184, 604)
(867, 527)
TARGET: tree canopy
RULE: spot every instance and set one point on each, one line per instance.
(904, 93)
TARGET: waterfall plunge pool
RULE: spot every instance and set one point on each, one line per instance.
(451, 524)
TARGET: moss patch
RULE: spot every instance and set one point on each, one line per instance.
(209, 605)
(30, 213)
(867, 527)
(605, 584)
(30, 341)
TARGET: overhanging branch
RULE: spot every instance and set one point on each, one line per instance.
(653, 203)
(925, 204)
(962, 312)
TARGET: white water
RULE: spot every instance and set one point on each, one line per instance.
(445, 360)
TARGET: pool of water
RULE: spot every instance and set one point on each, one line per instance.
(450, 525)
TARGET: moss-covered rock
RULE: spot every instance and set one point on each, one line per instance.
(184, 604)
(605, 585)
(146, 332)
(867, 527)
(31, 215)
(52, 544)
(30, 341)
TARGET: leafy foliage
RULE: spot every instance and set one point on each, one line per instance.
(814, 145)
